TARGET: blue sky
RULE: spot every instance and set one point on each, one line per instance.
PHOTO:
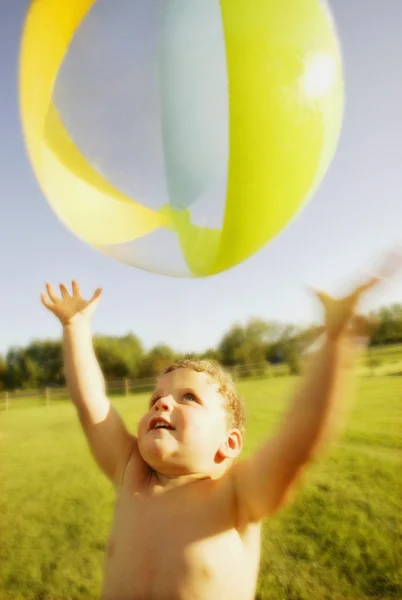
(356, 213)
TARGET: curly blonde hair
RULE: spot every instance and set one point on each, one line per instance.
(233, 403)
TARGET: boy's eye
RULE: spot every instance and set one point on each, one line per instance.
(190, 396)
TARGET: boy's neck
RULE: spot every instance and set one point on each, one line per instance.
(165, 482)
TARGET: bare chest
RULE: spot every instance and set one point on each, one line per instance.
(179, 544)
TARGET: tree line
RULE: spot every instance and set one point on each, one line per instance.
(257, 342)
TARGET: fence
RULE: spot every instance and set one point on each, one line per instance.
(128, 387)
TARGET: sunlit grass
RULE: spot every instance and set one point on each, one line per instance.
(340, 539)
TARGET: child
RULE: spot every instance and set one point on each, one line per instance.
(188, 514)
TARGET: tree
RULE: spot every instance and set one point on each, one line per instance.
(119, 357)
(15, 369)
(389, 321)
(45, 358)
(258, 341)
(230, 344)
(211, 354)
(287, 348)
(247, 345)
(157, 360)
(253, 349)
(37, 365)
(3, 373)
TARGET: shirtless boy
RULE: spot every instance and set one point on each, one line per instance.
(188, 514)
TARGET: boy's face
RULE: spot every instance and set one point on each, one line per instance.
(185, 430)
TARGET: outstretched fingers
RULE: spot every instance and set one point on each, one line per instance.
(95, 298)
(390, 264)
(63, 291)
(46, 301)
(51, 293)
(75, 288)
(363, 288)
(324, 298)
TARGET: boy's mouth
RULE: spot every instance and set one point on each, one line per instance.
(160, 423)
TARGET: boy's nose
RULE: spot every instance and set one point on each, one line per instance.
(164, 403)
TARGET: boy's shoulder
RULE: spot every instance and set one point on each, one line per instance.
(136, 473)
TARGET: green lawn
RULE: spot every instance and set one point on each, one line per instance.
(341, 539)
(386, 360)
(389, 351)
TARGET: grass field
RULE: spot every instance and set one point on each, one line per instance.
(341, 539)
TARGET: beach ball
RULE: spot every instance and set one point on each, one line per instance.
(180, 136)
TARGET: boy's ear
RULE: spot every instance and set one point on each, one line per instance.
(232, 446)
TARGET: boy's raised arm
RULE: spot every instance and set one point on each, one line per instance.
(110, 442)
(264, 482)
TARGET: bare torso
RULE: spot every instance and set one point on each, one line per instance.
(179, 544)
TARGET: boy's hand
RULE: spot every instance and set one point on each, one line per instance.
(340, 313)
(70, 307)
